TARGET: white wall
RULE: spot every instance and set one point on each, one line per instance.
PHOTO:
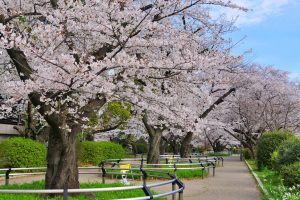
(7, 130)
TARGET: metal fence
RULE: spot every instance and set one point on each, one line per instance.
(138, 167)
(176, 185)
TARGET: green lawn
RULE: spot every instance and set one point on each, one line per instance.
(99, 195)
(273, 184)
(162, 173)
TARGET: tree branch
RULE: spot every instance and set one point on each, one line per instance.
(217, 102)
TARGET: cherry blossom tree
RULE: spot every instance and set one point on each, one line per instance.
(219, 139)
(266, 101)
(72, 57)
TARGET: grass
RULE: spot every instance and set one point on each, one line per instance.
(273, 184)
(98, 195)
(184, 173)
(218, 154)
(181, 174)
(189, 174)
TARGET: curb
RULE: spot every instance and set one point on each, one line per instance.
(257, 179)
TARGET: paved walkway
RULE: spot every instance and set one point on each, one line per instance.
(232, 182)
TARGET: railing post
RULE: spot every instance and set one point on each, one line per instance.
(7, 176)
(142, 160)
(103, 172)
(180, 185)
(181, 195)
(65, 194)
(208, 170)
(203, 168)
(214, 166)
(145, 188)
(175, 169)
(173, 188)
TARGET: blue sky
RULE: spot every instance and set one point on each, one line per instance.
(272, 30)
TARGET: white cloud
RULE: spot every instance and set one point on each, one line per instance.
(259, 10)
(294, 76)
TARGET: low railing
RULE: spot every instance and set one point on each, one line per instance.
(171, 159)
(109, 167)
(173, 180)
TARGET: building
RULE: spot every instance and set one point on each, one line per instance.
(7, 128)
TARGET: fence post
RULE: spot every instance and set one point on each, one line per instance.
(142, 160)
(181, 195)
(145, 188)
(214, 164)
(103, 172)
(175, 169)
(7, 176)
(65, 194)
(203, 168)
(173, 188)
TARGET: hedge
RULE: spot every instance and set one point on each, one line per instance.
(291, 175)
(266, 145)
(288, 152)
(94, 152)
(20, 152)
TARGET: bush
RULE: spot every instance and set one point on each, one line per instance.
(94, 152)
(266, 145)
(274, 160)
(288, 152)
(20, 152)
(141, 148)
(291, 175)
(246, 153)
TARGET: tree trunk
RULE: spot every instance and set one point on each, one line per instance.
(62, 169)
(252, 152)
(184, 149)
(174, 146)
(163, 146)
(154, 143)
(250, 147)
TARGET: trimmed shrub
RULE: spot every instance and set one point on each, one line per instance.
(94, 152)
(21, 152)
(291, 175)
(266, 145)
(289, 152)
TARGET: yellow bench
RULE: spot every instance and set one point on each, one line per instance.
(124, 168)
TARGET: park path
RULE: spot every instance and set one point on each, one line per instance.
(231, 182)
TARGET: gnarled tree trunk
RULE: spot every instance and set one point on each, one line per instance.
(185, 144)
(62, 169)
(155, 137)
(154, 146)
